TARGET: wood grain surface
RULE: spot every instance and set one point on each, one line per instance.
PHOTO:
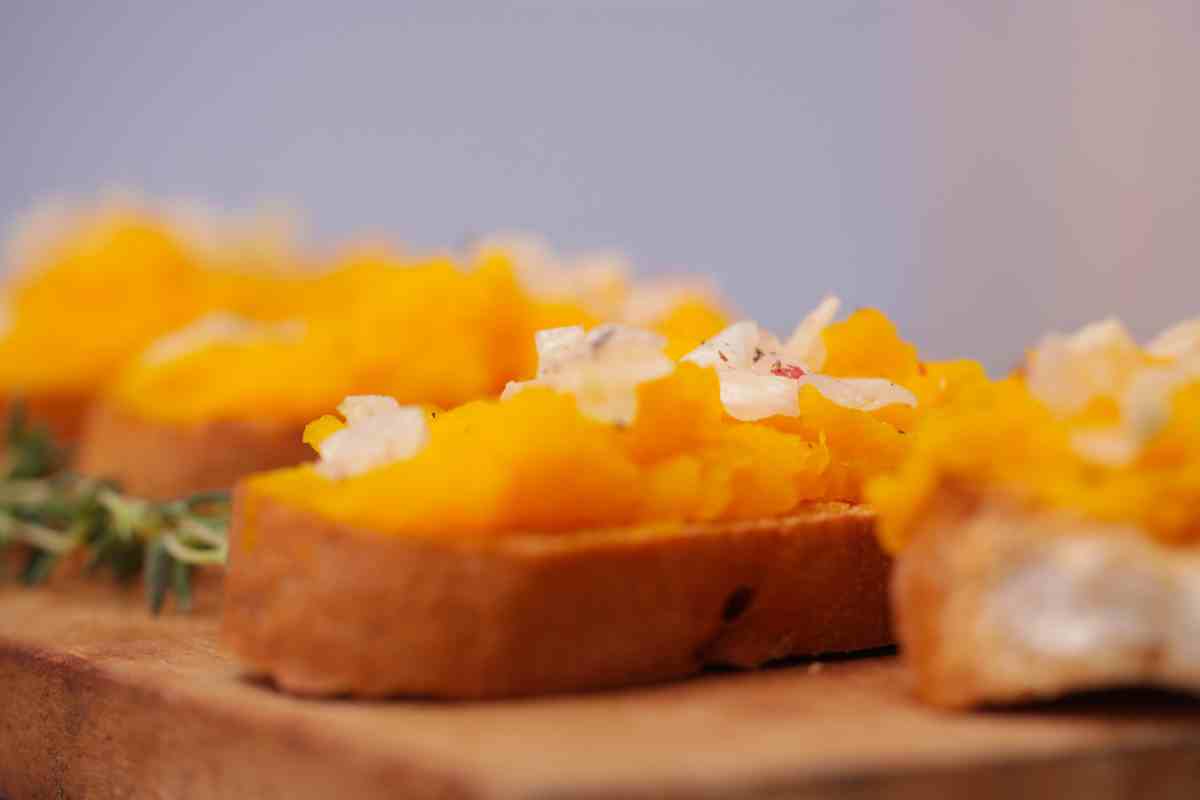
(99, 700)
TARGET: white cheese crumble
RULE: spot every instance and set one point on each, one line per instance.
(599, 281)
(1145, 406)
(265, 240)
(864, 394)
(379, 431)
(1113, 447)
(34, 234)
(1177, 341)
(806, 344)
(1067, 371)
(601, 368)
(743, 356)
(651, 300)
(761, 378)
(1103, 360)
(221, 327)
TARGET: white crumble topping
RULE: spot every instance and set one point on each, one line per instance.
(864, 394)
(1178, 341)
(35, 232)
(599, 281)
(760, 378)
(651, 300)
(1102, 360)
(601, 368)
(1145, 408)
(379, 431)
(806, 344)
(1067, 371)
(220, 327)
(1112, 447)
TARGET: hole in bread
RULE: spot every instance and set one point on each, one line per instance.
(737, 603)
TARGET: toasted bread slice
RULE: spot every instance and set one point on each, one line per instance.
(322, 608)
(995, 604)
(161, 460)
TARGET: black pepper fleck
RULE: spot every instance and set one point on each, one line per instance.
(602, 339)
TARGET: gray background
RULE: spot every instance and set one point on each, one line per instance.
(982, 171)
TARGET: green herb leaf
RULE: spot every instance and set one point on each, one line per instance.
(157, 575)
(38, 566)
(220, 497)
(53, 512)
(181, 575)
(30, 449)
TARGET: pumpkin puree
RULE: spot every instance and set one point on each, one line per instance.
(426, 332)
(85, 304)
(1003, 440)
(101, 285)
(533, 463)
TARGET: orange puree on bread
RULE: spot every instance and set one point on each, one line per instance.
(164, 302)
(612, 432)
(90, 291)
(1094, 426)
(435, 332)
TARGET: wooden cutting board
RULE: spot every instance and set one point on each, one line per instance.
(99, 700)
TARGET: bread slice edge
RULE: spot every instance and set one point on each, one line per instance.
(323, 608)
(997, 604)
(164, 460)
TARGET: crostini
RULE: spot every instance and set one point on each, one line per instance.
(622, 517)
(1046, 527)
(88, 288)
(226, 397)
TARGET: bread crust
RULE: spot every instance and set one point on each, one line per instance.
(164, 460)
(323, 608)
(995, 604)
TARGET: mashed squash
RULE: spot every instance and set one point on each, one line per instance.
(1094, 426)
(105, 284)
(431, 332)
(93, 291)
(534, 463)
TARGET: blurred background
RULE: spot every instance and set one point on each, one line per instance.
(983, 171)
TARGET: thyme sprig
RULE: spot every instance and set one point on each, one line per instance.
(51, 513)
